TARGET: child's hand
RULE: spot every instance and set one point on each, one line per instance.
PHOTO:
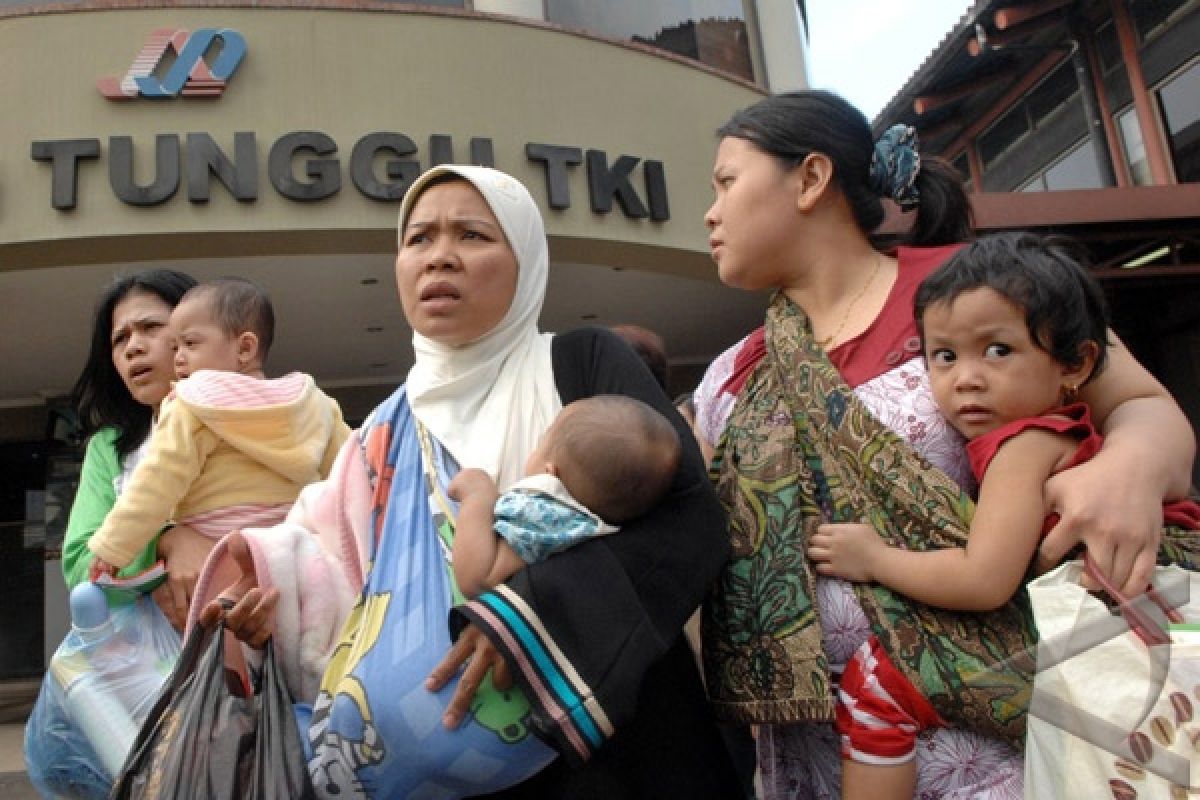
(471, 483)
(100, 567)
(845, 550)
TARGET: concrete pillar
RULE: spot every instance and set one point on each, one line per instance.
(781, 29)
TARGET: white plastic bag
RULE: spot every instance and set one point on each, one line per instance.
(1112, 716)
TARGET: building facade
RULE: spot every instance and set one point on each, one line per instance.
(274, 140)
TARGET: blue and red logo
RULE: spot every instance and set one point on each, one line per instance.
(203, 61)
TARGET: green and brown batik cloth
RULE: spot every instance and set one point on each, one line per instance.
(799, 449)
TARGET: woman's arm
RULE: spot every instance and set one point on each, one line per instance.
(94, 498)
(1113, 503)
(301, 577)
(184, 552)
(1004, 535)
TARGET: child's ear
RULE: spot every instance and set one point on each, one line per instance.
(550, 468)
(1074, 377)
(247, 348)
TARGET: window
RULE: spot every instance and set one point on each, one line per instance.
(713, 32)
(1107, 47)
(1077, 170)
(1148, 17)
(1180, 100)
(1053, 92)
(1135, 148)
(1044, 102)
(1003, 134)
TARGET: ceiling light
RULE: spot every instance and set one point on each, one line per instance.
(375, 329)
(369, 281)
(1142, 261)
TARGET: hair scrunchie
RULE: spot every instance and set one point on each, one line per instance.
(895, 165)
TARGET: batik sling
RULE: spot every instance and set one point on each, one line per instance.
(800, 449)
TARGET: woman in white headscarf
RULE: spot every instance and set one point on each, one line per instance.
(357, 590)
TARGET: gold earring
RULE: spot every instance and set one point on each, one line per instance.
(1070, 393)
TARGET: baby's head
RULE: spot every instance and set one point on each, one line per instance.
(616, 455)
(1012, 325)
(227, 324)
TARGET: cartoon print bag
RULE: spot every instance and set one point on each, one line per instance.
(208, 738)
(1114, 709)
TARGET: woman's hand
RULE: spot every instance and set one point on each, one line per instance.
(184, 551)
(1107, 505)
(479, 655)
(251, 611)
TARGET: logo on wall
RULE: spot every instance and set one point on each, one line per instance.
(174, 62)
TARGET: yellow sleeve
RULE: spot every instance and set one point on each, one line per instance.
(178, 449)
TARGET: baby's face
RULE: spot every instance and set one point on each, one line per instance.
(200, 343)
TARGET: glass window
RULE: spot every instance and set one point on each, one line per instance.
(1077, 170)
(1107, 46)
(1147, 16)
(713, 32)
(1180, 100)
(1003, 134)
(1050, 95)
(1135, 148)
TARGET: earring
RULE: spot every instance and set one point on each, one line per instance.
(1070, 393)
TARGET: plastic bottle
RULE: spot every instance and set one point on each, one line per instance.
(89, 675)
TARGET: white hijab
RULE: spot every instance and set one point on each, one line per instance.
(489, 401)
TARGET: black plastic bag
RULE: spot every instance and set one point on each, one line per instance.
(207, 739)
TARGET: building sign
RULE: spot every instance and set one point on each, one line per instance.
(303, 166)
(190, 74)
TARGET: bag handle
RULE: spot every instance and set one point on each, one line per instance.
(1149, 631)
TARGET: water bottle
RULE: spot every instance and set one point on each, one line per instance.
(90, 674)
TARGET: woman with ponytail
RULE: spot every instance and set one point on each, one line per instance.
(826, 415)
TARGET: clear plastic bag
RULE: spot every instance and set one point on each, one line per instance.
(99, 688)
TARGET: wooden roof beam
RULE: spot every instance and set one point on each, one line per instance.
(928, 102)
(1007, 18)
(998, 40)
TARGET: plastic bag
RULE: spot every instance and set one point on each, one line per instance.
(1112, 712)
(99, 688)
(208, 739)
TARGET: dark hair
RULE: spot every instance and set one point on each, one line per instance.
(99, 397)
(624, 453)
(239, 305)
(1064, 305)
(650, 349)
(793, 125)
